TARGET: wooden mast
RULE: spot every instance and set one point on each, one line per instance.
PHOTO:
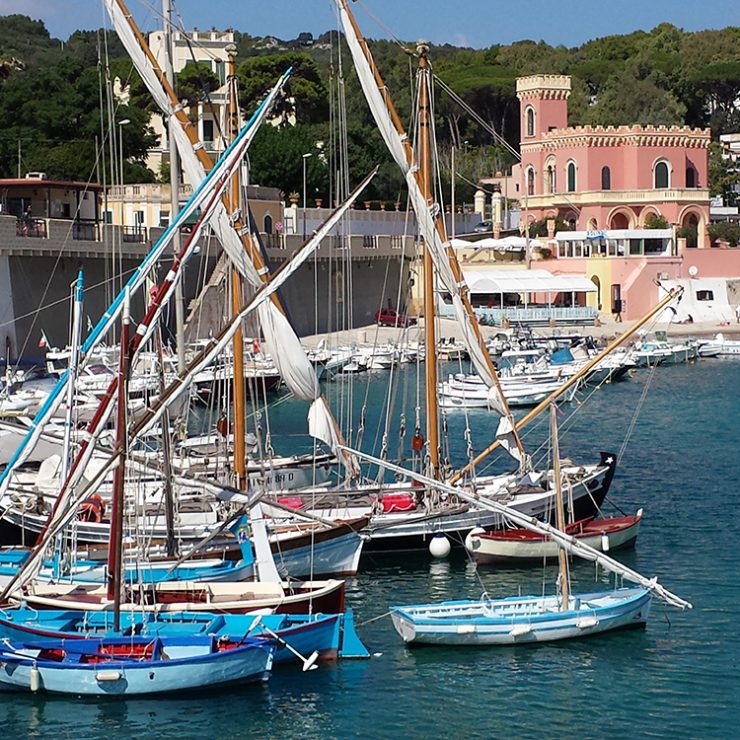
(430, 338)
(559, 508)
(190, 131)
(236, 296)
(115, 545)
(439, 225)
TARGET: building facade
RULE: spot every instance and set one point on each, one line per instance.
(598, 178)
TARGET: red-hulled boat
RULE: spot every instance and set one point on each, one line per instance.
(522, 545)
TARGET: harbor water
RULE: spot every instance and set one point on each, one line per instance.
(679, 430)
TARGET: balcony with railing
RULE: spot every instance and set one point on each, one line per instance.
(31, 227)
(134, 234)
(86, 231)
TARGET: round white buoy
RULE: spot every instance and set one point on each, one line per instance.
(439, 546)
(604, 542)
(474, 532)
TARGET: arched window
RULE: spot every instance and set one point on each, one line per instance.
(606, 178)
(268, 223)
(550, 179)
(530, 181)
(530, 121)
(691, 178)
(571, 171)
(661, 176)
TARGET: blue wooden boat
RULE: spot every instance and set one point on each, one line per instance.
(94, 571)
(129, 666)
(521, 619)
(330, 635)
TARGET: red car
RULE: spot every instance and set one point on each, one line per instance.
(391, 317)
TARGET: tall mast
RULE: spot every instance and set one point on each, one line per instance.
(430, 339)
(559, 509)
(73, 364)
(439, 225)
(174, 183)
(115, 545)
(236, 294)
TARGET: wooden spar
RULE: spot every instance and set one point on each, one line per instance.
(115, 545)
(107, 399)
(571, 381)
(203, 157)
(169, 74)
(240, 452)
(439, 225)
(52, 526)
(559, 508)
(430, 338)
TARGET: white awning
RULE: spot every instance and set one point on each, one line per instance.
(572, 236)
(507, 243)
(525, 281)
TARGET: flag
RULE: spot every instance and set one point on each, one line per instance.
(43, 342)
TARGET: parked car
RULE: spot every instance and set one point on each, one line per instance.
(483, 227)
(391, 317)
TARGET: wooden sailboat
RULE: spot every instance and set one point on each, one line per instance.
(517, 619)
(332, 636)
(132, 666)
(516, 546)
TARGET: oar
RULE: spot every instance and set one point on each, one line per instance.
(309, 664)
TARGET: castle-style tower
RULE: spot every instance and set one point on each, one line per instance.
(543, 104)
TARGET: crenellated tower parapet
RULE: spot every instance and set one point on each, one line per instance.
(619, 136)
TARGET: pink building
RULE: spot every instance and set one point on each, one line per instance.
(606, 182)
(607, 177)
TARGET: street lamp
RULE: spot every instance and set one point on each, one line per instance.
(305, 157)
(121, 124)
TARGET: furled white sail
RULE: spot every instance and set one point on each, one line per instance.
(280, 339)
(395, 143)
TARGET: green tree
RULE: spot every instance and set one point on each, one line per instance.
(195, 82)
(304, 96)
(724, 176)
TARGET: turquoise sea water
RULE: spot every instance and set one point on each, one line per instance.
(678, 678)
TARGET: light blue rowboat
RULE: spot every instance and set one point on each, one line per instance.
(330, 635)
(126, 666)
(521, 619)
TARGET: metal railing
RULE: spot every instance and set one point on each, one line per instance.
(32, 227)
(528, 315)
(133, 234)
(84, 231)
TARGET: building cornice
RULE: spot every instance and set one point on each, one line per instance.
(612, 136)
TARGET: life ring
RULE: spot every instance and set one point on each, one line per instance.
(417, 442)
(92, 509)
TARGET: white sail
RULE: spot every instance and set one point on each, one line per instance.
(280, 339)
(395, 143)
(566, 541)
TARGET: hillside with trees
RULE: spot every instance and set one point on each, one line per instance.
(52, 93)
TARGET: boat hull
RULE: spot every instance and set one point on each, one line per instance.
(517, 546)
(331, 635)
(23, 668)
(519, 620)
